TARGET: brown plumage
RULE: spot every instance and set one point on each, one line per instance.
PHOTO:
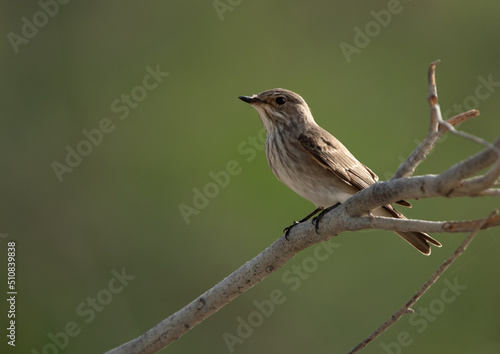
(312, 162)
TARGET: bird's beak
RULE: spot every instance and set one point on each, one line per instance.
(249, 99)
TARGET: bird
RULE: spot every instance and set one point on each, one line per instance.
(314, 164)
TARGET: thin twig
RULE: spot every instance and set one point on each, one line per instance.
(491, 192)
(406, 225)
(406, 307)
(458, 119)
(437, 127)
(408, 167)
(477, 184)
(470, 137)
(432, 89)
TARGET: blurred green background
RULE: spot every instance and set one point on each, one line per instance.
(119, 207)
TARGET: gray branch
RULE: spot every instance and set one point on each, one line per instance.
(407, 306)
(354, 214)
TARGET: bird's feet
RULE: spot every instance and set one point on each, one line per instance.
(318, 218)
(287, 229)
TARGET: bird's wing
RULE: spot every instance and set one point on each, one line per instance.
(332, 155)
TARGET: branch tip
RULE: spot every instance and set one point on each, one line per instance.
(436, 62)
(458, 119)
(432, 91)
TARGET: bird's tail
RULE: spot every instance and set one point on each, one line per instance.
(420, 240)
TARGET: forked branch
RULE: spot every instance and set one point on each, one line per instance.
(434, 277)
(457, 181)
(474, 186)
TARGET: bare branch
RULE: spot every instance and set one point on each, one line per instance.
(404, 225)
(428, 186)
(456, 181)
(437, 127)
(470, 137)
(432, 90)
(344, 218)
(407, 168)
(241, 280)
(458, 119)
(407, 307)
(454, 178)
(491, 192)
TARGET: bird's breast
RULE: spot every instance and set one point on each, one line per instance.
(297, 169)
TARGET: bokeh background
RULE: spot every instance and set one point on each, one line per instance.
(119, 207)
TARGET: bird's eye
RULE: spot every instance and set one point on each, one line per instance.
(280, 100)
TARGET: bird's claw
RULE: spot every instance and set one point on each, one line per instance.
(315, 221)
(318, 218)
(287, 229)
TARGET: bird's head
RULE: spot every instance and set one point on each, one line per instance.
(279, 108)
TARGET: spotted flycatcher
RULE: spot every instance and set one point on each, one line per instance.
(313, 163)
